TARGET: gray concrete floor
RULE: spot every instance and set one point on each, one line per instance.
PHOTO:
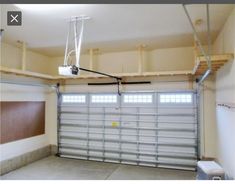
(55, 168)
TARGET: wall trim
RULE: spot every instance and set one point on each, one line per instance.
(27, 158)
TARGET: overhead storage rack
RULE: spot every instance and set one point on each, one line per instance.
(91, 76)
(217, 61)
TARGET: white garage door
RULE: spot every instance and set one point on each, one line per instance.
(142, 128)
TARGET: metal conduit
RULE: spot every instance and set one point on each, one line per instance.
(207, 56)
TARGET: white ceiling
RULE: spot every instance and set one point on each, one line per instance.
(112, 27)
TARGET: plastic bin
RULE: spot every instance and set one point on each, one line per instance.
(209, 170)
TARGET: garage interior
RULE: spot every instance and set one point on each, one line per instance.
(154, 93)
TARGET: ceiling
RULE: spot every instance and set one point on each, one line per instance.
(112, 27)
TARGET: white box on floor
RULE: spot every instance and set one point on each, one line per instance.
(209, 170)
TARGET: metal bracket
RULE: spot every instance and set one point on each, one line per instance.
(105, 74)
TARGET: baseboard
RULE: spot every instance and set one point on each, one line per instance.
(27, 158)
(208, 158)
(54, 149)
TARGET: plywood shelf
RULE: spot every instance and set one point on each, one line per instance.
(217, 61)
(25, 73)
(126, 75)
(91, 76)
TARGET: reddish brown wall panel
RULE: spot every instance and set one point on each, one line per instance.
(21, 120)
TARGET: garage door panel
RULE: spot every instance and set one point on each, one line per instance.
(177, 125)
(177, 149)
(73, 116)
(96, 153)
(95, 136)
(111, 155)
(96, 117)
(73, 134)
(153, 129)
(129, 156)
(129, 138)
(176, 118)
(111, 131)
(111, 136)
(74, 142)
(114, 145)
(148, 158)
(146, 118)
(178, 140)
(112, 117)
(127, 118)
(176, 110)
(127, 146)
(190, 134)
(144, 147)
(149, 132)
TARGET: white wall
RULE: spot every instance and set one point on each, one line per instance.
(171, 59)
(118, 62)
(168, 59)
(174, 83)
(37, 62)
(11, 56)
(225, 93)
(208, 129)
(10, 92)
(51, 117)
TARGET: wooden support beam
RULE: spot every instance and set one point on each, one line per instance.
(221, 57)
(195, 49)
(24, 50)
(91, 61)
(141, 59)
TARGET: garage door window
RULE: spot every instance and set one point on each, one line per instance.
(104, 98)
(176, 98)
(138, 98)
(74, 99)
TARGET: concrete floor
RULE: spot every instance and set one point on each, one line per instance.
(55, 168)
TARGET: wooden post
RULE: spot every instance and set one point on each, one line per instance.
(195, 50)
(197, 24)
(141, 59)
(23, 66)
(91, 61)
